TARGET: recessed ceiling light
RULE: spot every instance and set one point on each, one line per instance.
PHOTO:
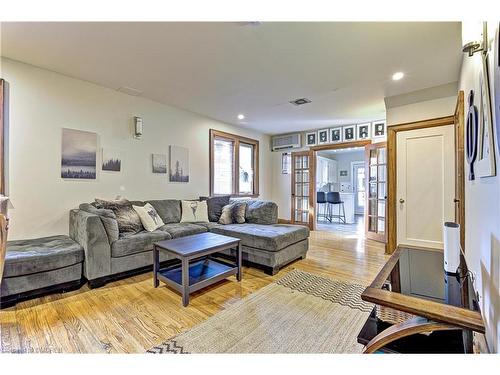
(241, 117)
(397, 76)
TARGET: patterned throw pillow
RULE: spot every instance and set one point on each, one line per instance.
(149, 217)
(233, 213)
(194, 212)
(215, 205)
(128, 220)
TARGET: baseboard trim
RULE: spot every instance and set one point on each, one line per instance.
(13, 299)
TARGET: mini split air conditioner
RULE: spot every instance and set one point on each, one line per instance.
(286, 142)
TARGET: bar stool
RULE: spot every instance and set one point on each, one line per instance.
(321, 202)
(333, 198)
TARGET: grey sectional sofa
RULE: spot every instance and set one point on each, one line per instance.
(109, 255)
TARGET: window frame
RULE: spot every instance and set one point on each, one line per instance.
(236, 140)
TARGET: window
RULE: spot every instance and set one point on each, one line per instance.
(234, 165)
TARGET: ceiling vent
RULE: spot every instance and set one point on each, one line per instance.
(300, 101)
(130, 91)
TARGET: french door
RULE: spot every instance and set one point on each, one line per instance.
(376, 187)
(302, 188)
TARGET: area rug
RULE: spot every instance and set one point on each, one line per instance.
(299, 313)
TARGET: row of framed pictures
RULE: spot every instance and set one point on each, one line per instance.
(346, 133)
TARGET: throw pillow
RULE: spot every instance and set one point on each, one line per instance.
(128, 220)
(239, 211)
(233, 213)
(215, 205)
(194, 212)
(149, 217)
(108, 219)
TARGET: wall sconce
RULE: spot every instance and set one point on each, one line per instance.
(137, 127)
(472, 43)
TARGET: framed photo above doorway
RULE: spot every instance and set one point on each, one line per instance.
(363, 131)
(336, 135)
(378, 129)
(311, 139)
(349, 133)
(323, 136)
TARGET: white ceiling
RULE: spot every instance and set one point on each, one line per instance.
(222, 69)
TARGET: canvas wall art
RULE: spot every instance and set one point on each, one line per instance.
(111, 160)
(496, 82)
(486, 151)
(78, 154)
(159, 163)
(179, 164)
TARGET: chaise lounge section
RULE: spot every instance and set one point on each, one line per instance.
(110, 255)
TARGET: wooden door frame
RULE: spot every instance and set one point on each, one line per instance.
(312, 167)
(312, 173)
(392, 165)
(375, 237)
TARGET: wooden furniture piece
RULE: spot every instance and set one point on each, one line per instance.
(197, 269)
(433, 302)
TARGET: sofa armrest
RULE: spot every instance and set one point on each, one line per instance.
(261, 212)
(87, 229)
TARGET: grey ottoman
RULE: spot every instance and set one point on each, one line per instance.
(40, 266)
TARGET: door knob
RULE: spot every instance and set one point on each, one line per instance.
(456, 200)
(401, 200)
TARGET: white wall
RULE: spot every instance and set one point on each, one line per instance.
(421, 111)
(482, 222)
(344, 163)
(43, 102)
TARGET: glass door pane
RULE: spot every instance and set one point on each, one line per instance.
(300, 188)
(376, 156)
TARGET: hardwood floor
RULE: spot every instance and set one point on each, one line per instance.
(130, 316)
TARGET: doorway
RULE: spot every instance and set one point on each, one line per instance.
(359, 186)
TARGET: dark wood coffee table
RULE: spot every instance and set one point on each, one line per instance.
(198, 268)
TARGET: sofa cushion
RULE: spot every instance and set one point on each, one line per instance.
(168, 209)
(267, 237)
(215, 205)
(209, 225)
(261, 212)
(41, 254)
(183, 229)
(137, 243)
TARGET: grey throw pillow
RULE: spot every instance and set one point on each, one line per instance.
(215, 205)
(233, 213)
(128, 220)
(108, 219)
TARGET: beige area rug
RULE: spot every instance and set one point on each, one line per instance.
(299, 313)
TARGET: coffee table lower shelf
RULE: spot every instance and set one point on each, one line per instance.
(202, 273)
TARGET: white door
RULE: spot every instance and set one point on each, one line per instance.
(425, 185)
